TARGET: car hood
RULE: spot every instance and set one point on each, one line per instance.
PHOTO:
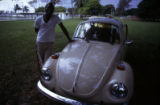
(83, 67)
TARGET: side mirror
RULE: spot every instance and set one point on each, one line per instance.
(126, 31)
(129, 42)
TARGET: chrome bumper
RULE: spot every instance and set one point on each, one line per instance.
(49, 93)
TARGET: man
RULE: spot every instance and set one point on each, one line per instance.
(45, 26)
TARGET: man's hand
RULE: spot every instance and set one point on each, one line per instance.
(70, 41)
(36, 30)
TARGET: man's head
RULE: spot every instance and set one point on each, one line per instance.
(49, 8)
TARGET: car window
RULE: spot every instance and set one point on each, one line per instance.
(99, 32)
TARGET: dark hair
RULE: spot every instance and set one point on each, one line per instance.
(49, 9)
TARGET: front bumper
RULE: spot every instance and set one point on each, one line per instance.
(55, 96)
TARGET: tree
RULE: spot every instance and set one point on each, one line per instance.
(84, 10)
(109, 9)
(25, 9)
(60, 9)
(122, 5)
(92, 7)
(79, 3)
(149, 9)
(17, 7)
(70, 10)
(132, 11)
(33, 2)
(40, 9)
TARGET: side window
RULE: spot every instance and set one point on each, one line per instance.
(82, 29)
(78, 32)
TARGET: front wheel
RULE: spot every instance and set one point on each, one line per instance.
(126, 103)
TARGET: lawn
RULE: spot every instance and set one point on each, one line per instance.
(18, 61)
(144, 57)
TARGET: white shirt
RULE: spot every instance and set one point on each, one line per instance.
(46, 30)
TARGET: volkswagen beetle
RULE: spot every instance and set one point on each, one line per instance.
(90, 69)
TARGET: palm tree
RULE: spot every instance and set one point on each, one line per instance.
(79, 3)
(17, 7)
(25, 9)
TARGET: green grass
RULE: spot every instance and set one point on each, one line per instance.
(18, 61)
(144, 57)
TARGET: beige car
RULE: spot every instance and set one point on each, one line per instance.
(90, 69)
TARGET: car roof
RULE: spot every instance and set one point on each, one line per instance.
(104, 20)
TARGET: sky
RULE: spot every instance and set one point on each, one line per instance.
(133, 3)
(8, 5)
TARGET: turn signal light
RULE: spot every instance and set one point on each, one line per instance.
(121, 66)
(54, 57)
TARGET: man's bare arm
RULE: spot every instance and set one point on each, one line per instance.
(65, 31)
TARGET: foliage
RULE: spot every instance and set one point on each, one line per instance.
(57, 9)
(92, 7)
(17, 7)
(79, 3)
(79, 6)
(84, 10)
(40, 9)
(60, 9)
(122, 5)
(108, 9)
(149, 9)
(70, 10)
(133, 11)
(25, 9)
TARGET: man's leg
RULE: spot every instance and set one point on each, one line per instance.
(40, 52)
(49, 51)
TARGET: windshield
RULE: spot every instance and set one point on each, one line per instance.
(98, 31)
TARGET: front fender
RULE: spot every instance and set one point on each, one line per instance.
(122, 76)
(51, 65)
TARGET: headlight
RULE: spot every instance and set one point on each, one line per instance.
(46, 74)
(119, 90)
